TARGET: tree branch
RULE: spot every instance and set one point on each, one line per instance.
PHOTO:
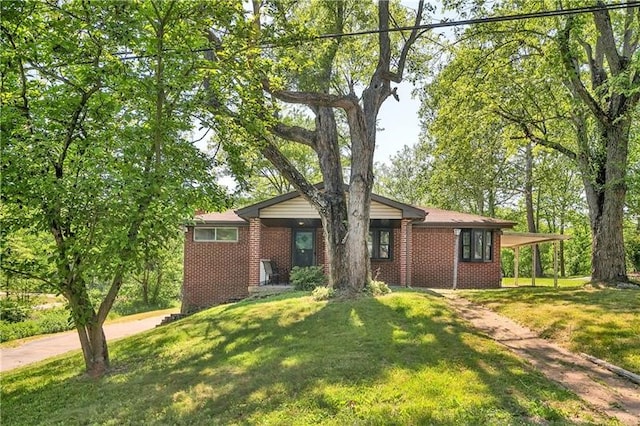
(27, 274)
(397, 76)
(289, 171)
(71, 129)
(315, 99)
(570, 64)
(533, 138)
(631, 38)
(296, 134)
(602, 21)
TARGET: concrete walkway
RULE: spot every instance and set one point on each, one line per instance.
(50, 345)
(608, 392)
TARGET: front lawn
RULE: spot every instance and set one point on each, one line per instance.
(545, 282)
(400, 359)
(604, 323)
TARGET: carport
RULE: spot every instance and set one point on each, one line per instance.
(515, 240)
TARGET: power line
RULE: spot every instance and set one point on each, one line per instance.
(441, 24)
(488, 20)
(126, 56)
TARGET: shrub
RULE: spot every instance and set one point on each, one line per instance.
(307, 278)
(12, 311)
(377, 288)
(44, 322)
(323, 293)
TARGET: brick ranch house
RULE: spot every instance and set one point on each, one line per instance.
(409, 246)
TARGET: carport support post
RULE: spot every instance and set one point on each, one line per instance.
(456, 254)
(516, 265)
(555, 264)
(534, 266)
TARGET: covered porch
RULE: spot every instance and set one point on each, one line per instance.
(287, 231)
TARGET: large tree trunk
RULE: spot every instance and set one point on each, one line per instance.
(357, 252)
(334, 210)
(606, 198)
(345, 218)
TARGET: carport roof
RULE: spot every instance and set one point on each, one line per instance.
(518, 239)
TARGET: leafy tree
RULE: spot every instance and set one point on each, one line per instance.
(405, 177)
(570, 84)
(324, 76)
(156, 282)
(97, 99)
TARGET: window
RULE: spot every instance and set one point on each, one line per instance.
(476, 245)
(379, 244)
(215, 234)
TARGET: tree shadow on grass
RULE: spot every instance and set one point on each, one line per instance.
(611, 300)
(400, 359)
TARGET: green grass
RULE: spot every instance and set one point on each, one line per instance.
(546, 282)
(604, 322)
(399, 359)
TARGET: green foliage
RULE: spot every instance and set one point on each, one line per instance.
(632, 248)
(307, 278)
(97, 149)
(12, 310)
(503, 86)
(323, 293)
(377, 288)
(40, 322)
(406, 179)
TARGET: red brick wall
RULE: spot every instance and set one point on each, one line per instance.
(276, 246)
(389, 269)
(432, 262)
(215, 272)
(483, 274)
(432, 257)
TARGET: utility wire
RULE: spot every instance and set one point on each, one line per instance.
(441, 24)
(489, 20)
(126, 56)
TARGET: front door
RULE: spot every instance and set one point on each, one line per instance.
(304, 247)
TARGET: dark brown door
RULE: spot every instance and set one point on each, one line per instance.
(304, 247)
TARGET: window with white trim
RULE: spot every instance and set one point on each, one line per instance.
(218, 234)
(476, 245)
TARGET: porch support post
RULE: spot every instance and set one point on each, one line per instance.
(456, 256)
(254, 251)
(516, 266)
(555, 264)
(534, 265)
(406, 230)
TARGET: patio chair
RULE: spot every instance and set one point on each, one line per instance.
(271, 272)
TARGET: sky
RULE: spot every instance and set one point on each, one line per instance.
(398, 123)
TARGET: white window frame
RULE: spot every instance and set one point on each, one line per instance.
(215, 234)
